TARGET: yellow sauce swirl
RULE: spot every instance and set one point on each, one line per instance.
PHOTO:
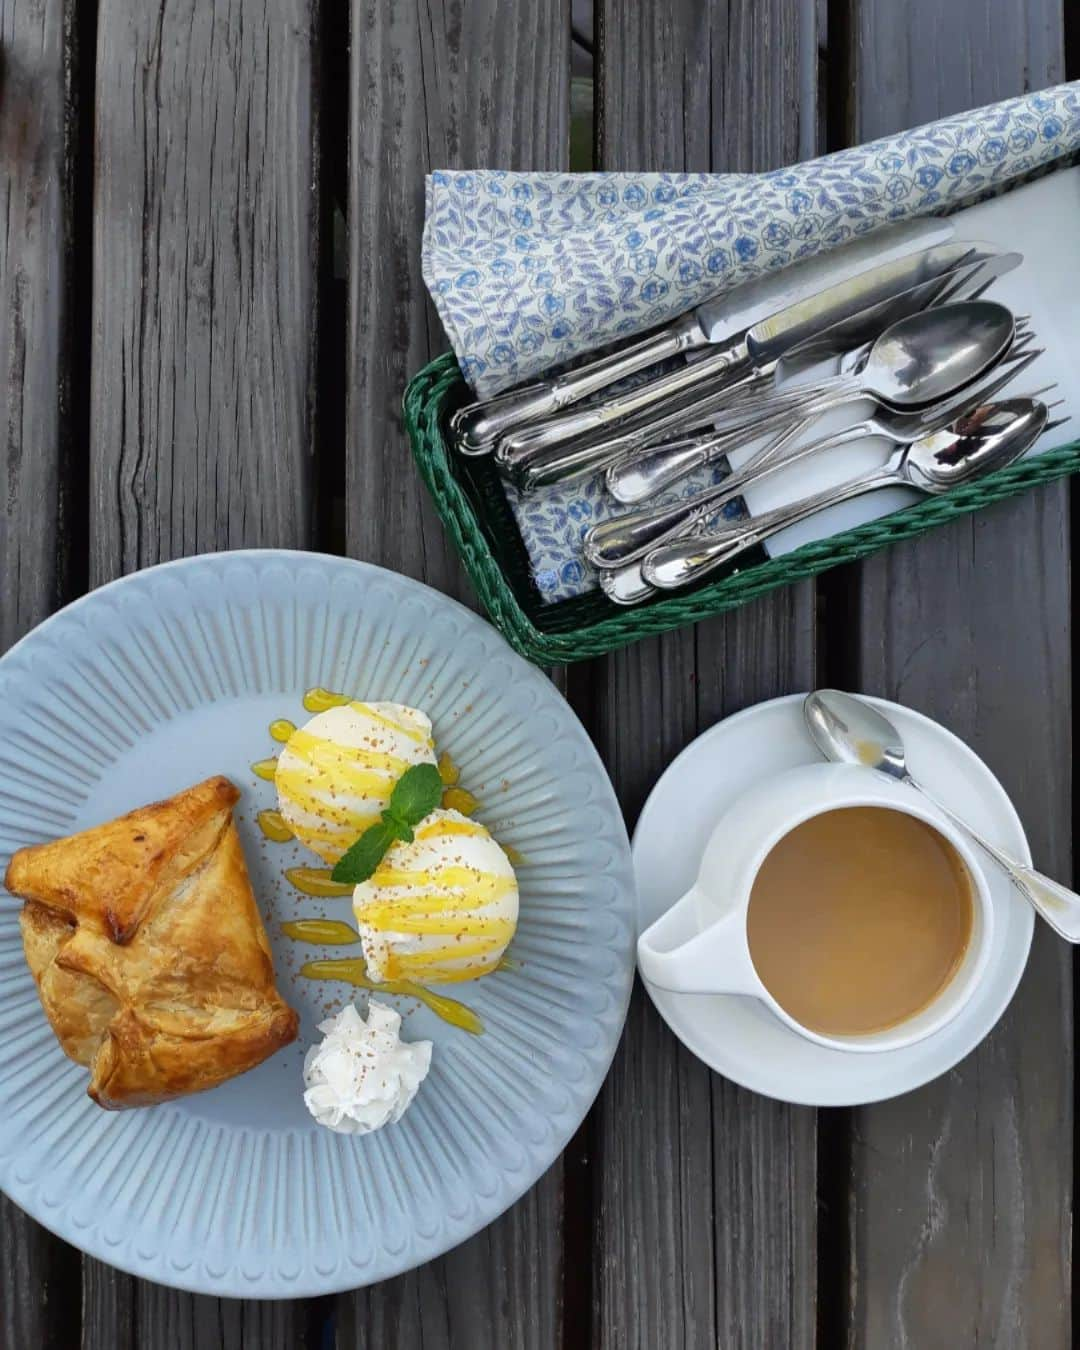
(330, 932)
(265, 769)
(459, 799)
(318, 700)
(273, 825)
(316, 881)
(353, 971)
(282, 729)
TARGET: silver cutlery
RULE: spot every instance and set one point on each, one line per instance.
(969, 279)
(477, 427)
(629, 537)
(625, 583)
(980, 443)
(765, 400)
(641, 474)
(925, 356)
(529, 468)
(745, 357)
(849, 731)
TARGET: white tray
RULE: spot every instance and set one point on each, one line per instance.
(1037, 220)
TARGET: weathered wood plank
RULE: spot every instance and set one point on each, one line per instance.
(36, 211)
(39, 1275)
(447, 84)
(962, 1192)
(707, 1194)
(168, 1318)
(206, 248)
(202, 413)
(443, 85)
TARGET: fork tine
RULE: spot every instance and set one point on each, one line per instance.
(980, 291)
(1015, 363)
(1052, 426)
(1003, 374)
(952, 282)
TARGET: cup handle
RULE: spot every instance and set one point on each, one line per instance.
(675, 954)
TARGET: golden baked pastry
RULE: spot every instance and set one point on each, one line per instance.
(148, 949)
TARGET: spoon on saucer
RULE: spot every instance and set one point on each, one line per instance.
(849, 731)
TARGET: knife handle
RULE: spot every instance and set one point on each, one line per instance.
(519, 446)
(476, 427)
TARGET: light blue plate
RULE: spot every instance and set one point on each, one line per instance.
(175, 673)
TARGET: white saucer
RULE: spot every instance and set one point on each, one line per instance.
(739, 1037)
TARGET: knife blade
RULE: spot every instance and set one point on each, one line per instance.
(476, 427)
(739, 356)
(730, 406)
(645, 465)
(968, 280)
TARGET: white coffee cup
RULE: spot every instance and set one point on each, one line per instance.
(700, 946)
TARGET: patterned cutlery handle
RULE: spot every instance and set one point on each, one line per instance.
(639, 476)
(657, 393)
(671, 566)
(476, 427)
(629, 538)
(1057, 904)
(690, 413)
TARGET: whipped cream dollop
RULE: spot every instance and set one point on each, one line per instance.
(362, 1075)
(440, 909)
(335, 774)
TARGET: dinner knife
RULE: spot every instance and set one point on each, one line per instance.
(743, 352)
(526, 460)
(642, 471)
(733, 406)
(476, 427)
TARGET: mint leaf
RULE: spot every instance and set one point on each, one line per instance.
(416, 794)
(361, 860)
(400, 829)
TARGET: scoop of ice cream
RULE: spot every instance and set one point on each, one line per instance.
(440, 909)
(335, 774)
(363, 1075)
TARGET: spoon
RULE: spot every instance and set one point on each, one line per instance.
(847, 730)
(635, 478)
(926, 356)
(916, 361)
(540, 455)
(977, 444)
(629, 537)
(974, 336)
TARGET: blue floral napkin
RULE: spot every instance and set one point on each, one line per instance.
(530, 270)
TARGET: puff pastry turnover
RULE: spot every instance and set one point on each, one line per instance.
(148, 949)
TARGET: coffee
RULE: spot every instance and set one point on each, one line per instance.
(858, 918)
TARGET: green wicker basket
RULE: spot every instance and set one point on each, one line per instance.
(469, 497)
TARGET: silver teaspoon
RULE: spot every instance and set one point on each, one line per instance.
(521, 458)
(925, 356)
(626, 538)
(849, 731)
(981, 442)
(637, 477)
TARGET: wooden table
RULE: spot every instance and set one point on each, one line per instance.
(210, 301)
